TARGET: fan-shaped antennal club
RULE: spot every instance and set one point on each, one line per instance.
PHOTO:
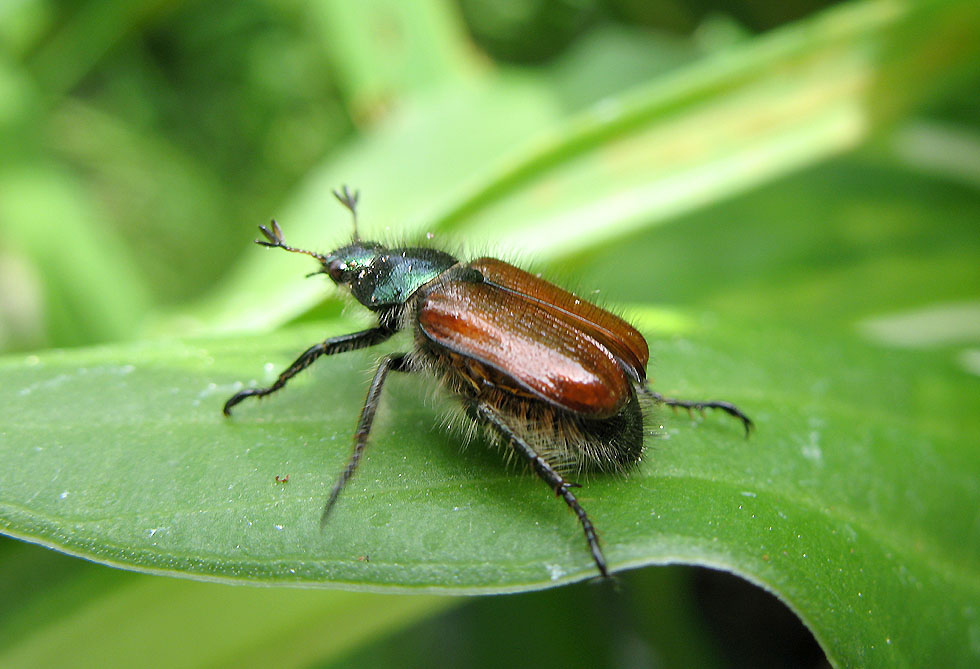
(349, 200)
(274, 240)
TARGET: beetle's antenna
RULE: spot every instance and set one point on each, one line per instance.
(349, 200)
(274, 240)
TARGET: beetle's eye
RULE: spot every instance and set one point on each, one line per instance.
(336, 269)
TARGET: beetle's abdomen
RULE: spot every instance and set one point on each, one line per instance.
(508, 341)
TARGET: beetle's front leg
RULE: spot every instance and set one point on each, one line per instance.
(341, 344)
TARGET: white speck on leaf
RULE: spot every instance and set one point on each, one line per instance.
(555, 571)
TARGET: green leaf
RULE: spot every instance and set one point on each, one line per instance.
(121, 455)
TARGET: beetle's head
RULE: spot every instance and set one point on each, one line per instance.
(348, 264)
(378, 277)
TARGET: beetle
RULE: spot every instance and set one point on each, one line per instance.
(557, 380)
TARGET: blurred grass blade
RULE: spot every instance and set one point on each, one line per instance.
(218, 626)
(385, 49)
(265, 289)
(91, 288)
(724, 125)
(95, 28)
(734, 120)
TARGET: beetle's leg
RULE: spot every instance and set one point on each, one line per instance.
(486, 413)
(727, 407)
(341, 344)
(394, 362)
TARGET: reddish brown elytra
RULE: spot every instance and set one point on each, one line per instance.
(554, 379)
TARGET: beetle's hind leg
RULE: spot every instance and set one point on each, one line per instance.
(727, 407)
(486, 414)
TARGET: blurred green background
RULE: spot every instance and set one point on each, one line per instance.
(773, 162)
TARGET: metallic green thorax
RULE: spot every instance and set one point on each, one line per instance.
(379, 277)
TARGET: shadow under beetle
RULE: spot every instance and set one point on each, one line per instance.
(558, 380)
